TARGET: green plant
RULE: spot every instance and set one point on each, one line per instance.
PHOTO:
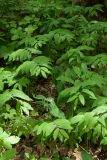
(64, 43)
(9, 154)
(30, 157)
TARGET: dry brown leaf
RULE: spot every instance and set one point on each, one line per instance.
(77, 154)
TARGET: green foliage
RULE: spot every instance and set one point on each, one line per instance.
(6, 140)
(85, 155)
(56, 128)
(57, 42)
(49, 104)
(7, 155)
(30, 157)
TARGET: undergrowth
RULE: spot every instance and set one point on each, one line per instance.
(62, 43)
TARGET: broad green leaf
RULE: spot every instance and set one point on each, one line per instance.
(30, 156)
(4, 97)
(43, 73)
(37, 72)
(41, 128)
(75, 88)
(72, 98)
(82, 99)
(54, 110)
(85, 48)
(76, 119)
(1, 130)
(26, 107)
(20, 94)
(12, 139)
(100, 110)
(65, 92)
(27, 67)
(63, 123)
(45, 70)
(104, 141)
(86, 156)
(84, 68)
(42, 60)
(48, 129)
(64, 133)
(7, 145)
(55, 133)
(60, 136)
(90, 93)
(20, 55)
(65, 79)
(97, 131)
(77, 70)
(44, 158)
(1, 86)
(3, 135)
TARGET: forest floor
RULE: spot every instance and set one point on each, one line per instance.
(59, 151)
(39, 150)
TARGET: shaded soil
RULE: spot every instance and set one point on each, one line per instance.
(55, 152)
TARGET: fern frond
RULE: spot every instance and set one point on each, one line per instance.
(61, 35)
(26, 67)
(99, 60)
(74, 10)
(6, 77)
(23, 54)
(74, 53)
(40, 65)
(42, 39)
(42, 60)
(93, 10)
(20, 55)
(9, 94)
